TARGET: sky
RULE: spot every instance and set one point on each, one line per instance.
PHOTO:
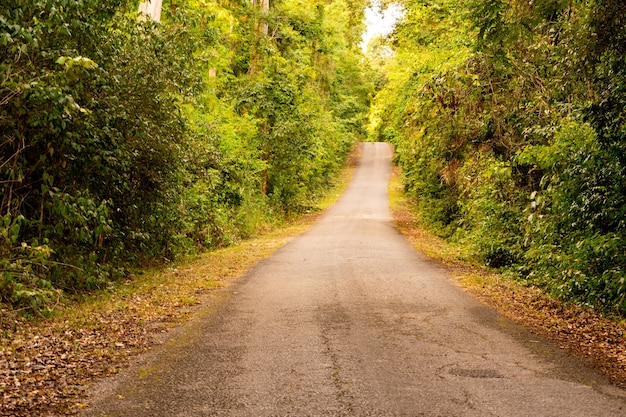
(379, 22)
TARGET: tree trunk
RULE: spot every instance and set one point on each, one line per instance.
(151, 8)
(263, 29)
(265, 7)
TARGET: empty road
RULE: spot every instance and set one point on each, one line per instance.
(348, 320)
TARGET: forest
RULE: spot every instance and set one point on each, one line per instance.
(126, 142)
(509, 122)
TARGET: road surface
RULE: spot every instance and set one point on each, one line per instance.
(348, 320)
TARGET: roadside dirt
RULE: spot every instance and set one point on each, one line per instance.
(46, 365)
(586, 334)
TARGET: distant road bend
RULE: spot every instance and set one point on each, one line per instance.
(348, 320)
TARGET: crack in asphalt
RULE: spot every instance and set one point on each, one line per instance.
(348, 320)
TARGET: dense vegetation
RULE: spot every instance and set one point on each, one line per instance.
(510, 125)
(124, 141)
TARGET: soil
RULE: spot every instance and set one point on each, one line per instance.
(583, 332)
(47, 364)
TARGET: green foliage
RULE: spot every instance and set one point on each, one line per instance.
(92, 144)
(515, 147)
(491, 208)
(575, 228)
(21, 267)
(127, 141)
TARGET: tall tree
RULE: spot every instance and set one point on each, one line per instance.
(125, 141)
(151, 8)
(511, 135)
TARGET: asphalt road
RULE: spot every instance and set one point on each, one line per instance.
(348, 320)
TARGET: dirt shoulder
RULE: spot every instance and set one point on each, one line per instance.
(46, 365)
(598, 340)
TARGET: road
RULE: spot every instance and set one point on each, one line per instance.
(348, 320)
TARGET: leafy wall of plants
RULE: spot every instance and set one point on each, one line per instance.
(509, 121)
(124, 141)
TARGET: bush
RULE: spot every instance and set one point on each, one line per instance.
(92, 145)
(125, 141)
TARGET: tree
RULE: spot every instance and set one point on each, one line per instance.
(151, 8)
(510, 133)
(126, 141)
